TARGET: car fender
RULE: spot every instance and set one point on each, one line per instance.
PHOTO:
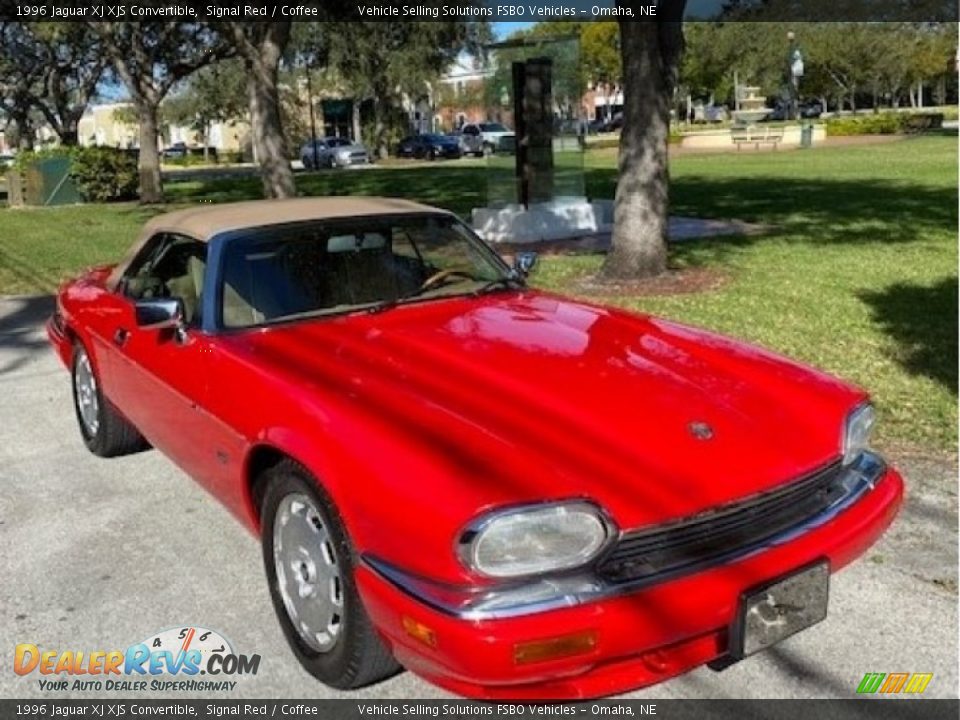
(330, 465)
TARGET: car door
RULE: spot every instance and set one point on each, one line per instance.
(159, 377)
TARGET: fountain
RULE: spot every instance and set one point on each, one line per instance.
(753, 107)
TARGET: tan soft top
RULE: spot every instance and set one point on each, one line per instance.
(204, 221)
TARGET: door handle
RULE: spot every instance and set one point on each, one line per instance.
(120, 336)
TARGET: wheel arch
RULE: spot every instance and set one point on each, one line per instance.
(269, 452)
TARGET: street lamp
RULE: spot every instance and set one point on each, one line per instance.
(794, 73)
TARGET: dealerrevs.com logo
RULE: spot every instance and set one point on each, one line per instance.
(168, 661)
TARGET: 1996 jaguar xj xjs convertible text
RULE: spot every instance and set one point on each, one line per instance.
(510, 493)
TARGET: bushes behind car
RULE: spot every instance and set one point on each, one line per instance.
(100, 174)
(103, 174)
(886, 123)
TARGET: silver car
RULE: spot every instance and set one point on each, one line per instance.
(333, 152)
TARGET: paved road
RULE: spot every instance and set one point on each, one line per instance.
(99, 554)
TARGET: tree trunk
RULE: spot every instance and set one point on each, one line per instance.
(151, 184)
(25, 131)
(69, 136)
(275, 171)
(379, 129)
(355, 119)
(650, 53)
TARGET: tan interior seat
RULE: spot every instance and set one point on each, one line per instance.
(189, 288)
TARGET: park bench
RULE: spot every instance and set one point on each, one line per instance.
(757, 136)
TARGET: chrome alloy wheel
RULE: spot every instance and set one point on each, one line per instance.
(308, 575)
(85, 392)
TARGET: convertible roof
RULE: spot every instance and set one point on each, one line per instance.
(204, 222)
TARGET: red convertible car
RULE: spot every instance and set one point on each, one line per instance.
(511, 493)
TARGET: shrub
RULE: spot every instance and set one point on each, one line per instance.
(103, 174)
(886, 123)
(189, 160)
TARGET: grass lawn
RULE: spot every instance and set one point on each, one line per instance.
(858, 274)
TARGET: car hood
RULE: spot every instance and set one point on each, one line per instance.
(348, 149)
(651, 419)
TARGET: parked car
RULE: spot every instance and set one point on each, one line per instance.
(452, 471)
(482, 138)
(333, 152)
(175, 151)
(811, 110)
(430, 146)
(613, 123)
(716, 113)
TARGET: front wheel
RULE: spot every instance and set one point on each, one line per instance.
(309, 566)
(104, 430)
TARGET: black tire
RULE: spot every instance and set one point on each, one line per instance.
(432, 155)
(487, 150)
(113, 435)
(358, 657)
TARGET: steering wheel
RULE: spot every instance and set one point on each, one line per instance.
(443, 275)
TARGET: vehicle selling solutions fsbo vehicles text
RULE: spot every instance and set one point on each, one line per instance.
(531, 11)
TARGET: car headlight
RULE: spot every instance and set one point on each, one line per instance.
(534, 539)
(856, 432)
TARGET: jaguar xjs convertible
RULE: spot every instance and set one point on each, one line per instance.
(509, 492)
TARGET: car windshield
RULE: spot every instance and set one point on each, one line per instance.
(492, 127)
(275, 274)
(337, 142)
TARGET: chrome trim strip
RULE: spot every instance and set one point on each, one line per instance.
(560, 591)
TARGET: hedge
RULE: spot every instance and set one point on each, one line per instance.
(886, 123)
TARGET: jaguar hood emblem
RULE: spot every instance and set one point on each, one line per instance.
(700, 430)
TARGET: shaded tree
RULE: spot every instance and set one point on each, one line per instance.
(21, 75)
(383, 61)
(261, 46)
(216, 93)
(150, 58)
(73, 61)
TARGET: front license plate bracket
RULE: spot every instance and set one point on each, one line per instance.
(772, 612)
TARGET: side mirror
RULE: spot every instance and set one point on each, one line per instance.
(525, 263)
(160, 313)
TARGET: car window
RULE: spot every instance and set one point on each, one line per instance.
(492, 127)
(470, 130)
(337, 142)
(331, 267)
(169, 266)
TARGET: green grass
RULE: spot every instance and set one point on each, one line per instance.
(857, 274)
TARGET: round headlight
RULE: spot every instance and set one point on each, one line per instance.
(856, 432)
(534, 539)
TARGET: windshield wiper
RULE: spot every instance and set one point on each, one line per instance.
(499, 283)
(504, 282)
